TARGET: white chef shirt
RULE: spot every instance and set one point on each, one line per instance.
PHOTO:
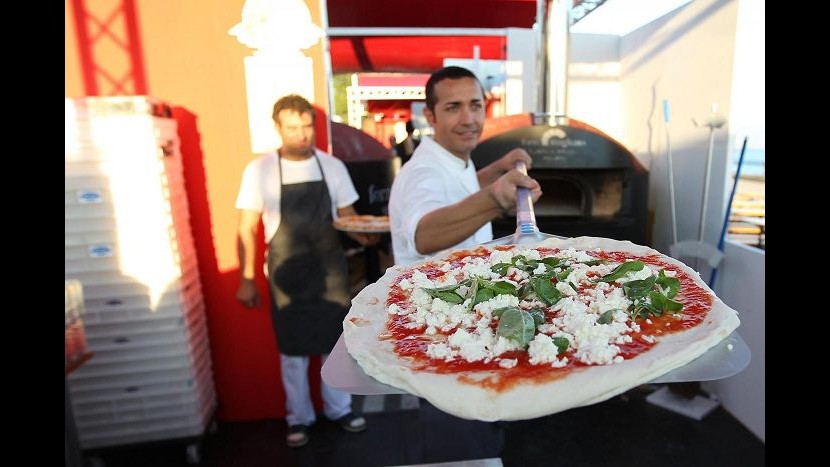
(432, 179)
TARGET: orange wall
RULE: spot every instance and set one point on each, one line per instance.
(192, 63)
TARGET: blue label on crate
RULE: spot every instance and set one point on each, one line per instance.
(100, 251)
(89, 197)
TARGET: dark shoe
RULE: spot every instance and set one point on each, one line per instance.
(351, 422)
(297, 436)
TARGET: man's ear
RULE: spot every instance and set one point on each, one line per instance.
(430, 116)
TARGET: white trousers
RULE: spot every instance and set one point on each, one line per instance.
(298, 403)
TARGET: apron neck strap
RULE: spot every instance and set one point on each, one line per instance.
(313, 154)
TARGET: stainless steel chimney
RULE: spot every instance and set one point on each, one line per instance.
(553, 18)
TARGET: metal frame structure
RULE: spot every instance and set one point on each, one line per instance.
(357, 96)
(95, 28)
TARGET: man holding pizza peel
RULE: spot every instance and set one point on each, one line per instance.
(437, 200)
(296, 190)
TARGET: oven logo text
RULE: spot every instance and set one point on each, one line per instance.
(555, 137)
(557, 133)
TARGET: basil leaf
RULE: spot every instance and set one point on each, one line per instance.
(561, 343)
(538, 316)
(449, 297)
(639, 288)
(471, 294)
(528, 265)
(655, 304)
(607, 317)
(623, 269)
(516, 325)
(501, 268)
(446, 288)
(634, 312)
(483, 295)
(662, 303)
(673, 306)
(553, 261)
(562, 275)
(594, 262)
(499, 311)
(524, 290)
(651, 302)
(642, 310)
(503, 288)
(498, 288)
(670, 285)
(545, 290)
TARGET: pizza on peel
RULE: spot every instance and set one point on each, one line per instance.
(515, 332)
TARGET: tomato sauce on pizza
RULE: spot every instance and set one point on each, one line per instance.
(514, 313)
(513, 332)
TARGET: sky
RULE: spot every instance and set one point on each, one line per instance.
(619, 17)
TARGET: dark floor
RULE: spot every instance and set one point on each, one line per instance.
(623, 431)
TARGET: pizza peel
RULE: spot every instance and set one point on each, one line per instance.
(729, 357)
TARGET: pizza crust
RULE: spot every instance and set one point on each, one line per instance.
(367, 319)
(362, 223)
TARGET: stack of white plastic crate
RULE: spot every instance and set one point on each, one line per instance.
(128, 241)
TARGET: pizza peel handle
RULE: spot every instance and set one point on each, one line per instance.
(525, 217)
(526, 229)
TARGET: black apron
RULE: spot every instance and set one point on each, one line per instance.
(308, 272)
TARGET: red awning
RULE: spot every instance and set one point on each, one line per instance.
(411, 54)
(431, 13)
(421, 54)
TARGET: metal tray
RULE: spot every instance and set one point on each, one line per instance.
(729, 357)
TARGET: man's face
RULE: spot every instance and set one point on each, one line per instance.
(297, 133)
(458, 118)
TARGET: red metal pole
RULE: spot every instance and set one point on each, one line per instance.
(84, 48)
(134, 47)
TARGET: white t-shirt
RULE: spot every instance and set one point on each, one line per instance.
(432, 179)
(260, 188)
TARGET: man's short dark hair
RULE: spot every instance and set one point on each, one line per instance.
(448, 72)
(294, 102)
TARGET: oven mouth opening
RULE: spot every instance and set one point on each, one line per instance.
(562, 197)
(591, 195)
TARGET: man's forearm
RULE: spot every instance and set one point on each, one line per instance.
(453, 224)
(499, 167)
(246, 248)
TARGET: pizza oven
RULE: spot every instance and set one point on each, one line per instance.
(371, 166)
(591, 184)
